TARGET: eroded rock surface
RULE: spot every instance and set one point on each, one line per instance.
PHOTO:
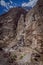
(21, 36)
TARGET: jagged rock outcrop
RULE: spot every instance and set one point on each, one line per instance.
(8, 24)
(34, 32)
(24, 34)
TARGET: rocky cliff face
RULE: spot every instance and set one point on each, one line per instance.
(34, 32)
(22, 34)
(34, 24)
(9, 22)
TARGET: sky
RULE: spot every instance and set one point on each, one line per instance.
(5, 5)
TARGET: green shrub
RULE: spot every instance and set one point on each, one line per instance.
(21, 56)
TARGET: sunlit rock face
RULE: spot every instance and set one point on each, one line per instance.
(34, 32)
(22, 34)
(9, 22)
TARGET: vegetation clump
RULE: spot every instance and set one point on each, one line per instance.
(22, 56)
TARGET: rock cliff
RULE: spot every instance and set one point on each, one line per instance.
(8, 24)
(21, 33)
